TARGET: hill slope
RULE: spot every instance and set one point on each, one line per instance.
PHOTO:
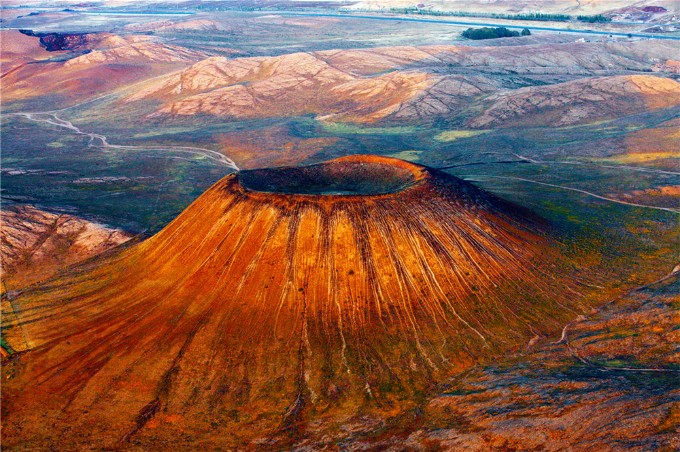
(105, 63)
(579, 101)
(35, 243)
(610, 383)
(278, 299)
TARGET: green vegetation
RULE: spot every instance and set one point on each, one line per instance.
(453, 135)
(411, 155)
(533, 16)
(489, 33)
(6, 346)
(593, 19)
(526, 32)
(341, 128)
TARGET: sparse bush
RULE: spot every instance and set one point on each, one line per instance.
(489, 33)
(432, 12)
(593, 19)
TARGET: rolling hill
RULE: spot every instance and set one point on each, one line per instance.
(420, 83)
(578, 102)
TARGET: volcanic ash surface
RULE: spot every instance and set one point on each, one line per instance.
(281, 298)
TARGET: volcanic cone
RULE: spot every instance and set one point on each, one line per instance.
(280, 297)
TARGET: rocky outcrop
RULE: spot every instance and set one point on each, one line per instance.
(61, 41)
(578, 102)
(645, 14)
(117, 49)
(289, 85)
(670, 66)
(36, 244)
(109, 62)
(398, 83)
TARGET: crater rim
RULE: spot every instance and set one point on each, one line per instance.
(362, 176)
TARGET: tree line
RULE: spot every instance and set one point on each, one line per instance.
(493, 33)
(533, 16)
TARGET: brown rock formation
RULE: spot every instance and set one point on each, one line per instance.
(113, 62)
(579, 102)
(406, 83)
(36, 244)
(671, 66)
(288, 85)
(118, 49)
(61, 41)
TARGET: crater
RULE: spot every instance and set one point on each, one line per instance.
(350, 176)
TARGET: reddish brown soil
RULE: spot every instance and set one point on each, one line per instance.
(258, 314)
(112, 62)
(271, 146)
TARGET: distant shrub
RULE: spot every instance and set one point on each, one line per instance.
(593, 19)
(489, 33)
(532, 16)
(536, 16)
(526, 32)
(432, 12)
(654, 9)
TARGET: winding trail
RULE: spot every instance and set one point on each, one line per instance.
(578, 190)
(524, 159)
(98, 140)
(627, 167)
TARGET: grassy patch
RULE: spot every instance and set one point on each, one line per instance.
(641, 157)
(6, 346)
(412, 156)
(340, 128)
(163, 131)
(453, 135)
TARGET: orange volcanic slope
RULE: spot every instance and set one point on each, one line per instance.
(279, 297)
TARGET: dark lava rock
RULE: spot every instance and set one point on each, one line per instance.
(59, 41)
(654, 9)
